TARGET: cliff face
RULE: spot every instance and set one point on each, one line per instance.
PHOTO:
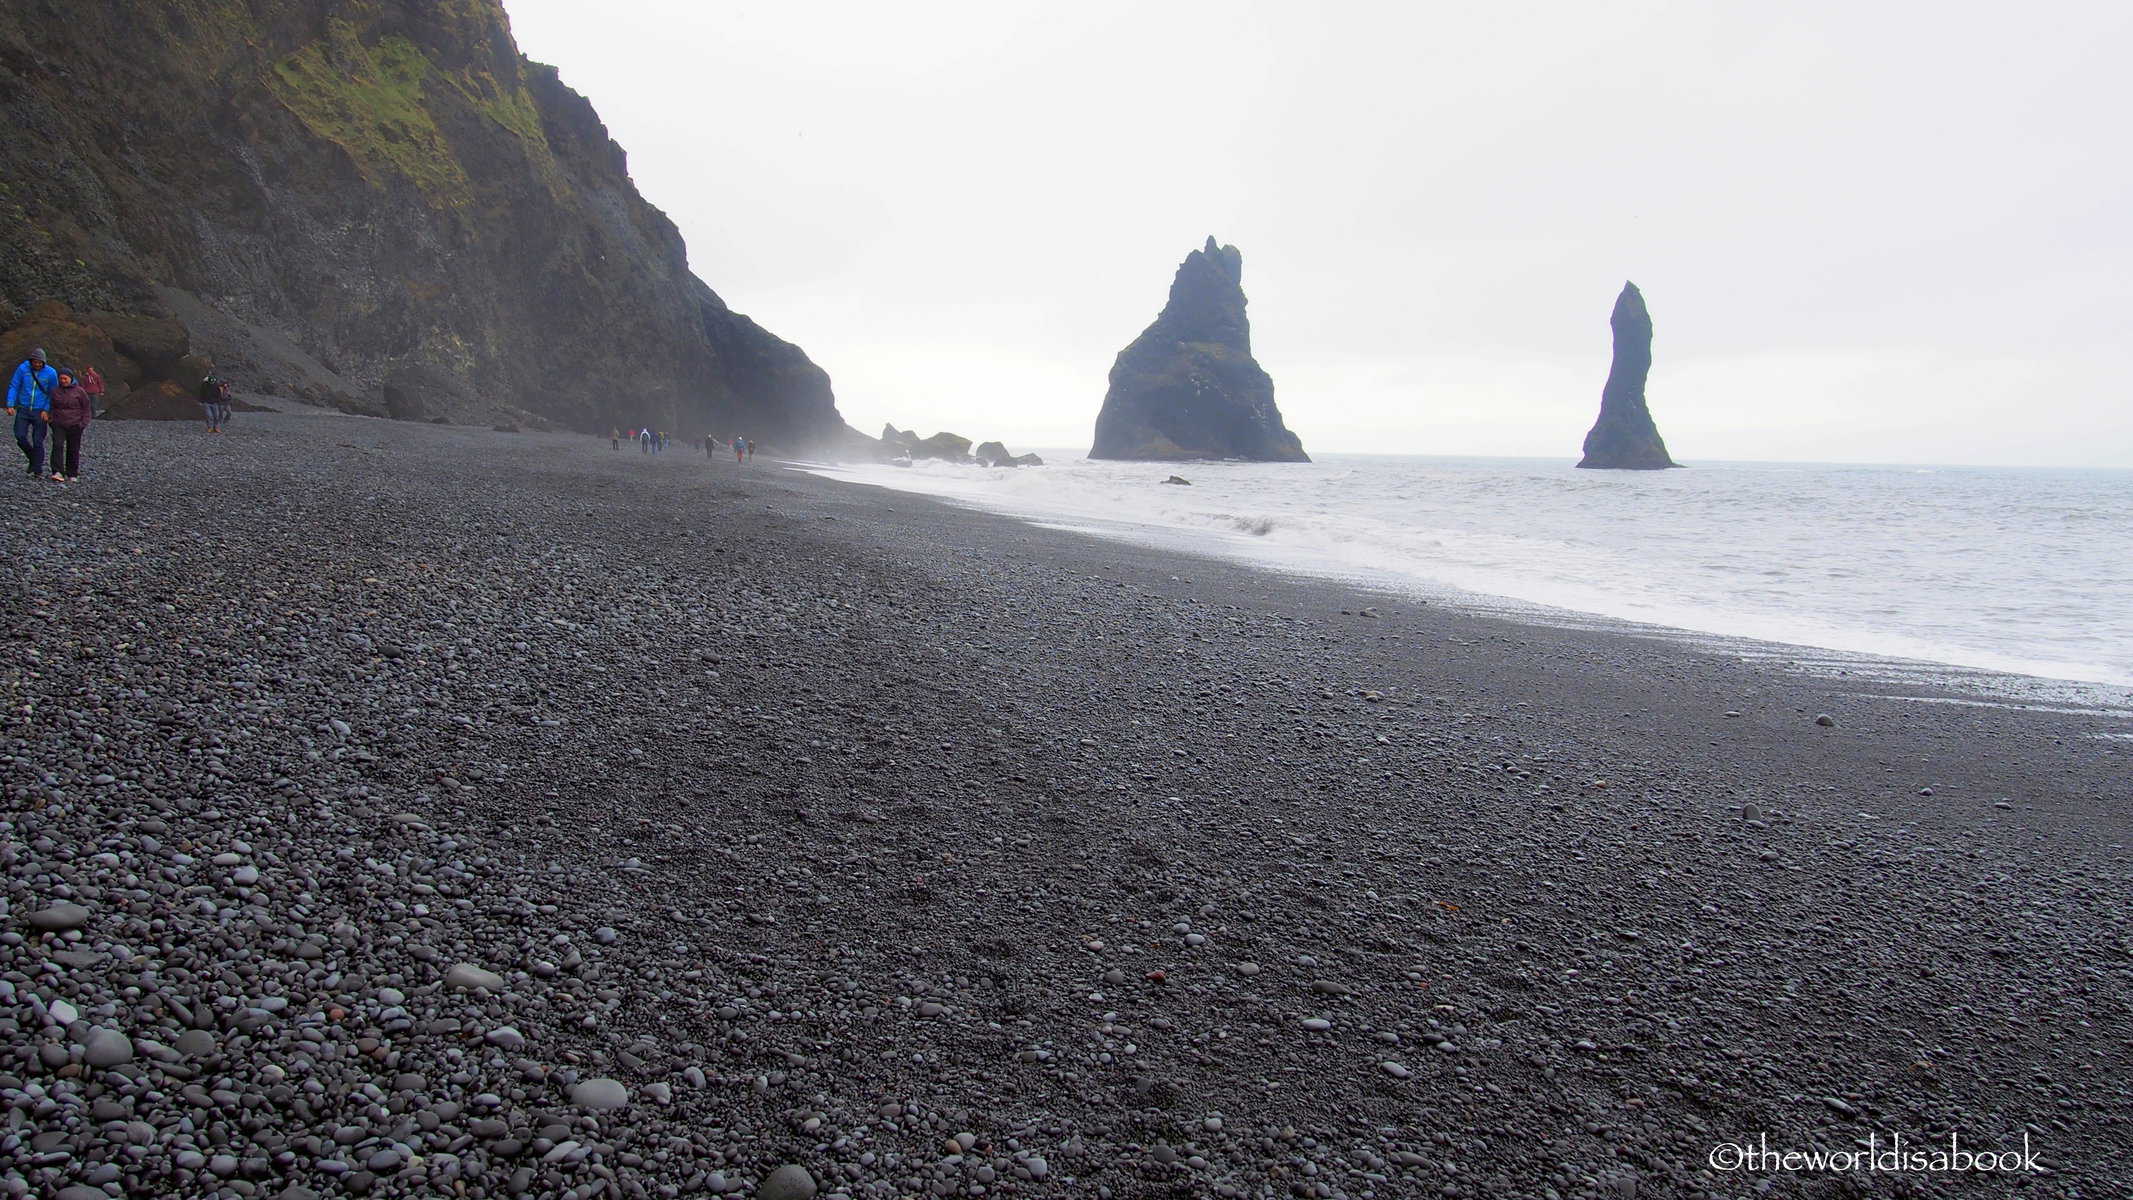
(1624, 436)
(378, 204)
(1188, 387)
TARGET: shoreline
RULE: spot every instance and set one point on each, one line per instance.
(2011, 682)
(834, 827)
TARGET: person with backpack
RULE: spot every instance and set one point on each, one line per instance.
(72, 409)
(29, 401)
(214, 399)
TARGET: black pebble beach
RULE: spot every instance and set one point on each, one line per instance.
(409, 811)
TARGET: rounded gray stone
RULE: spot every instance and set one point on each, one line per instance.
(470, 976)
(108, 1048)
(600, 1095)
(58, 918)
(789, 1182)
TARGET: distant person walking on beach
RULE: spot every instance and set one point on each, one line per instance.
(29, 401)
(644, 441)
(614, 438)
(92, 382)
(72, 409)
(214, 399)
(751, 449)
(740, 448)
(710, 445)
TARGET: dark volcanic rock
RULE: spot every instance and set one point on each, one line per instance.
(1188, 388)
(335, 197)
(1625, 436)
(943, 445)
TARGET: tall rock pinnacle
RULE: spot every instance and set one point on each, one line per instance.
(1624, 436)
(1188, 388)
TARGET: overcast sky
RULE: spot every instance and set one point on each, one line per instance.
(1866, 231)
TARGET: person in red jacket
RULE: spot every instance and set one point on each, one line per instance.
(92, 382)
(72, 409)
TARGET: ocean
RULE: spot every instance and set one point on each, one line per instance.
(2025, 571)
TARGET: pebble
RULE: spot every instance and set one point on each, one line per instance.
(1825, 720)
(194, 1043)
(108, 1048)
(505, 1037)
(1317, 1024)
(1396, 1070)
(599, 1095)
(62, 917)
(789, 1182)
(469, 976)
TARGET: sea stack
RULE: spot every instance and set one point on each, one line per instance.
(1624, 438)
(1188, 387)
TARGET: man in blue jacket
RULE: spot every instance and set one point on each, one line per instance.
(29, 401)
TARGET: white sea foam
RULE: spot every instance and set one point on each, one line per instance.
(2024, 571)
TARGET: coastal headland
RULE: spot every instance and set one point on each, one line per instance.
(405, 810)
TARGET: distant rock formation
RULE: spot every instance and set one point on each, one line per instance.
(1624, 437)
(948, 447)
(1188, 388)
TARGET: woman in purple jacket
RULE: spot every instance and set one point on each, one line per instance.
(72, 407)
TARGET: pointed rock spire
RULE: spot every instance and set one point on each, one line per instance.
(1188, 387)
(1624, 436)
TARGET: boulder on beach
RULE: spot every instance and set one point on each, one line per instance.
(943, 445)
(996, 454)
(1180, 480)
(1625, 436)
(1188, 387)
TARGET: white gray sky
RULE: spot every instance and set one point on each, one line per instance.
(1868, 231)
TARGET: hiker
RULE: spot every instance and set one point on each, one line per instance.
(740, 448)
(29, 401)
(751, 449)
(214, 399)
(644, 440)
(710, 445)
(92, 382)
(72, 409)
(614, 438)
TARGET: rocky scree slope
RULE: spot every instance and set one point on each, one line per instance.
(375, 204)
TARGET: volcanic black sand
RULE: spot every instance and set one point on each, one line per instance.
(426, 792)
